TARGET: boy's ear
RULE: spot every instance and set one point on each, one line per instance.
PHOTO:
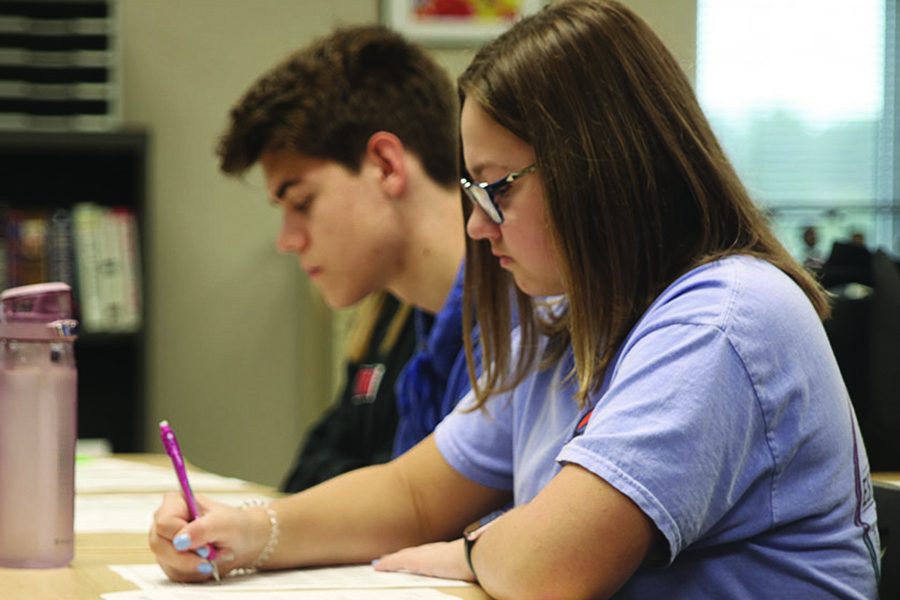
(388, 154)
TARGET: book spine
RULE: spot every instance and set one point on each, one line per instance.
(86, 225)
(109, 273)
(125, 225)
(60, 249)
(26, 246)
(4, 276)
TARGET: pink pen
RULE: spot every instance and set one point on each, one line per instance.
(170, 443)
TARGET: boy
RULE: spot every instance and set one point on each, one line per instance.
(357, 138)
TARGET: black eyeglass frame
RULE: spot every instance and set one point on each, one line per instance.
(482, 194)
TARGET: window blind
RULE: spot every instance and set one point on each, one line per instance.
(802, 94)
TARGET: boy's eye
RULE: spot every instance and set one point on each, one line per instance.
(301, 203)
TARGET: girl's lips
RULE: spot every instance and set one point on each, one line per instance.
(504, 260)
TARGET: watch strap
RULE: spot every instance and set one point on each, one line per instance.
(469, 545)
(473, 532)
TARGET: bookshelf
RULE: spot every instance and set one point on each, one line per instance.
(49, 170)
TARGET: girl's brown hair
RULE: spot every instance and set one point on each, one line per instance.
(366, 321)
(638, 190)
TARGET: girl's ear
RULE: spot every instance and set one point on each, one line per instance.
(388, 154)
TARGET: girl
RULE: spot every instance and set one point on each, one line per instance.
(668, 419)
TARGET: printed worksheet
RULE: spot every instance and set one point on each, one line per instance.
(181, 594)
(361, 577)
(94, 475)
(132, 513)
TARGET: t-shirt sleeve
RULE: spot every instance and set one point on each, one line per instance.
(478, 443)
(678, 430)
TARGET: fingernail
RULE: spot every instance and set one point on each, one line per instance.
(182, 541)
(205, 568)
(376, 561)
(202, 551)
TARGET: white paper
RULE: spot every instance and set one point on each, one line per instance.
(116, 475)
(132, 513)
(179, 594)
(151, 577)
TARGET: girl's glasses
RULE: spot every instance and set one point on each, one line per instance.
(482, 194)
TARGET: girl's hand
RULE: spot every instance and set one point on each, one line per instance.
(238, 536)
(440, 559)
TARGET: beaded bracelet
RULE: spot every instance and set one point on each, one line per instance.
(269, 548)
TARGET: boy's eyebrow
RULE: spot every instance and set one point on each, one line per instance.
(284, 187)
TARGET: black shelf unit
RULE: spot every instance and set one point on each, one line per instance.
(53, 169)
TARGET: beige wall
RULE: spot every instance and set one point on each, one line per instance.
(676, 23)
(235, 339)
(239, 348)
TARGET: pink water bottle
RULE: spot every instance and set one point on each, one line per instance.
(38, 424)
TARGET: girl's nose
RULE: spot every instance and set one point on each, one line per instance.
(480, 226)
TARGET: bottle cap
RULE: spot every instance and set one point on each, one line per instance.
(38, 303)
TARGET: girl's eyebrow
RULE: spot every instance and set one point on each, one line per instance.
(477, 171)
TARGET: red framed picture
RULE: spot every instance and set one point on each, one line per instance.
(454, 22)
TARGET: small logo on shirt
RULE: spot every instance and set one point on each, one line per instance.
(583, 423)
(366, 383)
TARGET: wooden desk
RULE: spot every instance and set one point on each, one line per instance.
(887, 477)
(88, 575)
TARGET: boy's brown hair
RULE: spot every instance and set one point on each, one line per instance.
(325, 101)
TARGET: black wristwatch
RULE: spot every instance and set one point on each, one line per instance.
(472, 532)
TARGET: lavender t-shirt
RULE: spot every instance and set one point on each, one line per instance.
(725, 419)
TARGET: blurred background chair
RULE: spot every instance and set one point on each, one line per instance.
(864, 332)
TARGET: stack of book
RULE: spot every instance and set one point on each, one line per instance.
(93, 248)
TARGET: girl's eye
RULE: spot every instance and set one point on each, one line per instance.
(500, 192)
